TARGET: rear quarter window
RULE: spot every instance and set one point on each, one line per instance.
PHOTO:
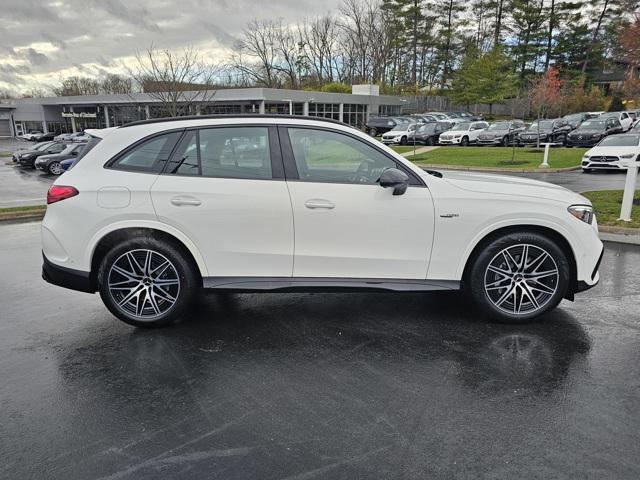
(148, 155)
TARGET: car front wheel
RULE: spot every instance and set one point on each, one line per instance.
(146, 282)
(519, 276)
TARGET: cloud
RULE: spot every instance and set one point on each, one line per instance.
(55, 38)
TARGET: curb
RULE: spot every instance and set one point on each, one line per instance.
(497, 169)
(21, 217)
(630, 236)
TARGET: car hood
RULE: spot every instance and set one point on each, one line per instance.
(505, 185)
(612, 151)
(494, 133)
(585, 132)
(395, 133)
(456, 132)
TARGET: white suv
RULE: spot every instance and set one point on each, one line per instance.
(463, 133)
(156, 210)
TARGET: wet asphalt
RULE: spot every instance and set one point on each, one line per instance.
(317, 386)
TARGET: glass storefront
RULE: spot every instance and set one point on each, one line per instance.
(325, 110)
(123, 114)
(355, 115)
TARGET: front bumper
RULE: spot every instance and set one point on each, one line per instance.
(586, 142)
(492, 141)
(26, 162)
(392, 141)
(66, 277)
(605, 165)
(450, 141)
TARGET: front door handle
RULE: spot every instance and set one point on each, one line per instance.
(318, 203)
(182, 201)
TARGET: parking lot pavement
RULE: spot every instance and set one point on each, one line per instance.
(22, 186)
(336, 386)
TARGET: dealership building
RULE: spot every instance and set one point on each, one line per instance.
(72, 114)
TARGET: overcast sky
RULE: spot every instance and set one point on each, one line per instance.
(42, 41)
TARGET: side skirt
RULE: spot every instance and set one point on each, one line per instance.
(311, 284)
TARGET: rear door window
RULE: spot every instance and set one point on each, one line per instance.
(148, 156)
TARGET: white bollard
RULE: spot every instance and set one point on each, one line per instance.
(629, 191)
(545, 160)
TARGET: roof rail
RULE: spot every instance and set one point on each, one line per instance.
(240, 115)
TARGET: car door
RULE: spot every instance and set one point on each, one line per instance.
(224, 188)
(346, 224)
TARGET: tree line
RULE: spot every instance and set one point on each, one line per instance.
(474, 51)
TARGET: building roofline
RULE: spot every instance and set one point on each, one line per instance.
(226, 117)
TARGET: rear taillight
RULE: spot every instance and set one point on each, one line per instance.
(60, 192)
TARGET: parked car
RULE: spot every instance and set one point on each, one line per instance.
(612, 153)
(378, 125)
(84, 138)
(463, 133)
(68, 137)
(440, 116)
(590, 132)
(575, 119)
(549, 131)
(52, 163)
(502, 133)
(465, 116)
(68, 163)
(429, 133)
(31, 135)
(43, 137)
(37, 146)
(623, 117)
(27, 158)
(158, 209)
(400, 134)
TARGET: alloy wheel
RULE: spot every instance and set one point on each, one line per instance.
(144, 284)
(55, 168)
(521, 279)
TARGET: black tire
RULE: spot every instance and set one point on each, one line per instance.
(479, 274)
(464, 142)
(180, 268)
(373, 132)
(429, 142)
(505, 141)
(403, 141)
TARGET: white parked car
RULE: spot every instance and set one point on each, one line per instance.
(68, 137)
(400, 134)
(31, 135)
(463, 133)
(623, 117)
(612, 153)
(156, 210)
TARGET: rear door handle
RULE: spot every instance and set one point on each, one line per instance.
(183, 201)
(318, 203)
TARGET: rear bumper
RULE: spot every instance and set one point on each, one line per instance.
(66, 277)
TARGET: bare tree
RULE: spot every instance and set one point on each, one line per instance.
(116, 84)
(75, 86)
(178, 81)
(256, 54)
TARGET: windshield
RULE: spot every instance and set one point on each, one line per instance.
(41, 145)
(462, 126)
(592, 125)
(400, 126)
(544, 125)
(620, 141)
(499, 126)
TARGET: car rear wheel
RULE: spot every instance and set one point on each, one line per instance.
(373, 132)
(505, 141)
(429, 142)
(518, 277)
(55, 168)
(147, 282)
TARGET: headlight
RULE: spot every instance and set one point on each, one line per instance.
(595, 135)
(458, 135)
(627, 155)
(585, 157)
(582, 212)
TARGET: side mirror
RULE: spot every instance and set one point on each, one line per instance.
(396, 179)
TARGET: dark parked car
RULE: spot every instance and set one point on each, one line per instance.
(67, 164)
(575, 119)
(502, 133)
(464, 116)
(378, 125)
(53, 163)
(551, 131)
(27, 158)
(590, 132)
(429, 133)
